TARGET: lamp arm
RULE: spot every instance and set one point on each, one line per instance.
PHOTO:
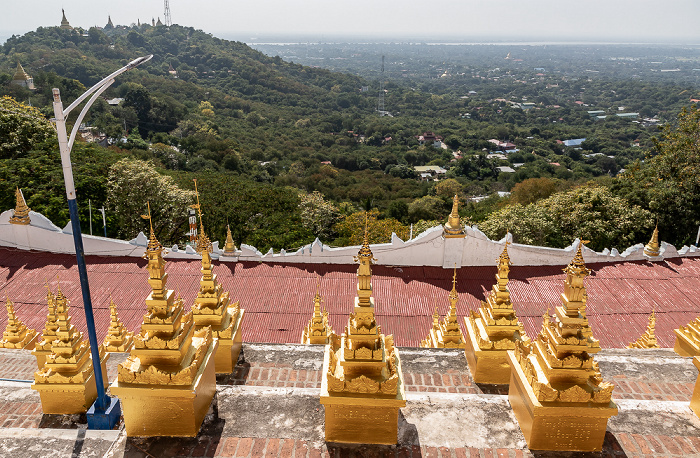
(73, 132)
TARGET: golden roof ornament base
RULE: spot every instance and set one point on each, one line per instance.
(362, 386)
(211, 306)
(17, 334)
(652, 248)
(66, 383)
(556, 389)
(453, 227)
(493, 330)
(688, 339)
(168, 381)
(446, 334)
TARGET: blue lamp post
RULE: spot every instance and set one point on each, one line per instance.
(105, 412)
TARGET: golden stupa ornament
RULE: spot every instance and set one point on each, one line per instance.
(688, 339)
(493, 330)
(167, 383)
(446, 334)
(66, 382)
(318, 329)
(21, 213)
(362, 386)
(648, 339)
(43, 345)
(556, 389)
(17, 334)
(652, 248)
(211, 307)
(229, 246)
(118, 338)
(453, 228)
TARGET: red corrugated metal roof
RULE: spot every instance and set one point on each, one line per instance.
(278, 297)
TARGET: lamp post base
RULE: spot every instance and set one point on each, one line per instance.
(107, 419)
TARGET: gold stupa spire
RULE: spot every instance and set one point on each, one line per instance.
(648, 339)
(652, 248)
(118, 338)
(21, 214)
(557, 371)
(229, 246)
(453, 227)
(318, 329)
(66, 381)
(446, 334)
(203, 242)
(494, 329)
(43, 345)
(16, 334)
(20, 73)
(64, 22)
(362, 380)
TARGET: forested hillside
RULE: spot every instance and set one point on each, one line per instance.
(287, 152)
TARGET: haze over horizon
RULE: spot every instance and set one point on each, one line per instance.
(622, 21)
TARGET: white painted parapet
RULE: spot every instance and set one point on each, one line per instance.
(430, 248)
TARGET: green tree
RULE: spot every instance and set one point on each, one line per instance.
(428, 208)
(318, 215)
(21, 127)
(532, 190)
(352, 228)
(132, 183)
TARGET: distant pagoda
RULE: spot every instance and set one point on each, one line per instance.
(494, 330)
(556, 389)
(446, 334)
(318, 329)
(362, 386)
(170, 371)
(43, 345)
(22, 78)
(211, 308)
(21, 213)
(17, 334)
(648, 339)
(66, 382)
(118, 338)
(64, 22)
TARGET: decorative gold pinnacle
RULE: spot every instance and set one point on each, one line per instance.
(21, 213)
(453, 227)
(229, 247)
(118, 338)
(211, 307)
(318, 329)
(493, 330)
(648, 339)
(362, 380)
(652, 248)
(66, 381)
(446, 334)
(557, 370)
(43, 345)
(16, 334)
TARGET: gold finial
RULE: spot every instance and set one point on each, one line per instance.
(153, 243)
(453, 227)
(453, 294)
(648, 339)
(652, 248)
(577, 265)
(21, 214)
(365, 251)
(11, 317)
(203, 242)
(229, 247)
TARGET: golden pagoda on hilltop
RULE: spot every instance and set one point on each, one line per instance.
(453, 228)
(493, 330)
(688, 339)
(362, 386)
(118, 338)
(16, 334)
(317, 330)
(211, 307)
(66, 382)
(43, 346)
(167, 383)
(64, 22)
(22, 78)
(648, 339)
(556, 388)
(652, 248)
(446, 334)
(21, 213)
(229, 246)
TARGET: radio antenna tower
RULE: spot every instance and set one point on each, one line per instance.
(168, 19)
(380, 100)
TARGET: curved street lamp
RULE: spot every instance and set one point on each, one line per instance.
(105, 412)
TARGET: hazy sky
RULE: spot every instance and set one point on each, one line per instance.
(482, 20)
